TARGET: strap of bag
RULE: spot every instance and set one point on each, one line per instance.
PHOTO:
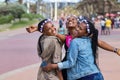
(39, 43)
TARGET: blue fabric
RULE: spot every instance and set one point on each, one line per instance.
(80, 61)
(96, 76)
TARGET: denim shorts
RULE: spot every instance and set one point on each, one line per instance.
(96, 76)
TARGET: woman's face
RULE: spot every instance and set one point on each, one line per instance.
(49, 29)
(71, 22)
(81, 29)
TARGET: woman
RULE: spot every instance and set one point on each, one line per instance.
(49, 49)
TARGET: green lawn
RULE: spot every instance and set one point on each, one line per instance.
(23, 23)
(18, 24)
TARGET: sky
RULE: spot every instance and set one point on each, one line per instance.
(73, 1)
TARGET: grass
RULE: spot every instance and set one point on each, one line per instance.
(18, 24)
(22, 23)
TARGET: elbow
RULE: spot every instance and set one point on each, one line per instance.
(100, 43)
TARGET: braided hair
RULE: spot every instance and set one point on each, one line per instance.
(94, 37)
(93, 34)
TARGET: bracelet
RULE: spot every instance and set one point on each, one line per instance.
(115, 50)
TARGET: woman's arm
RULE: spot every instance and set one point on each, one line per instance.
(50, 67)
(32, 29)
(108, 47)
(61, 37)
(70, 62)
(59, 73)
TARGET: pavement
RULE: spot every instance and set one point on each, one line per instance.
(108, 61)
(25, 73)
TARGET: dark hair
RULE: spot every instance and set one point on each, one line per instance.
(94, 33)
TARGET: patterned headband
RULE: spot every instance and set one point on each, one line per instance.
(42, 23)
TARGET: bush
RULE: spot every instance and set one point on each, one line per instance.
(32, 16)
(38, 16)
(15, 9)
(29, 16)
(6, 19)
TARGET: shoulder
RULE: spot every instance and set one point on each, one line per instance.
(81, 40)
(50, 38)
(78, 39)
(75, 40)
(53, 39)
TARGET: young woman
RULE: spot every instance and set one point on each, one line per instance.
(49, 49)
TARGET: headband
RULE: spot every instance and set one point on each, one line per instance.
(42, 23)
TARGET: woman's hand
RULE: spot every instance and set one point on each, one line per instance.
(31, 29)
(118, 52)
(48, 67)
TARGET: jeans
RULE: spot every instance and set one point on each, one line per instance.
(96, 76)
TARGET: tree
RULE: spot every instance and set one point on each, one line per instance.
(16, 10)
(6, 1)
(20, 1)
(88, 7)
